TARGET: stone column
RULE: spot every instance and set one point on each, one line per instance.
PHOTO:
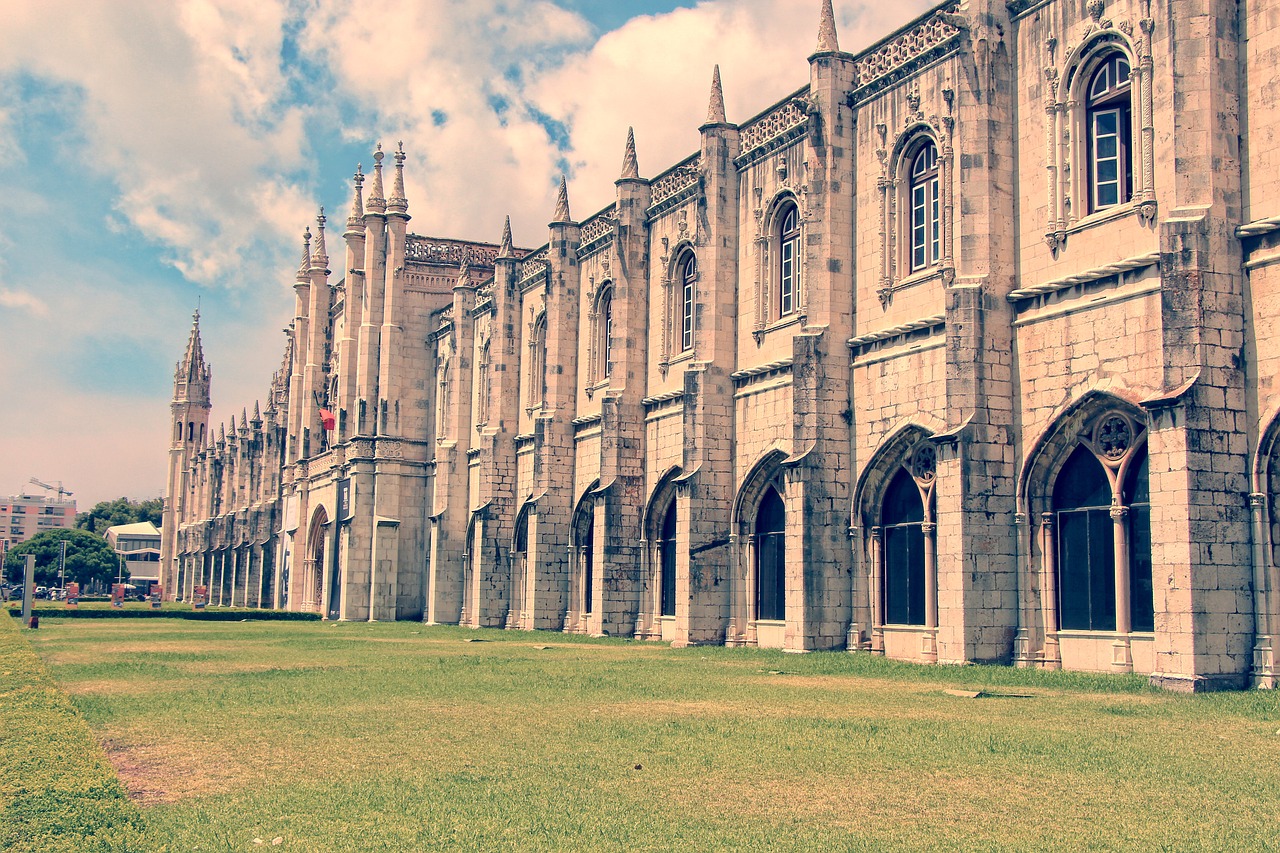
(929, 646)
(1051, 658)
(1121, 652)
(1264, 662)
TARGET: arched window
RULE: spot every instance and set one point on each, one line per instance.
(483, 387)
(902, 522)
(771, 556)
(667, 552)
(1109, 116)
(788, 274)
(604, 332)
(1138, 498)
(924, 197)
(538, 362)
(688, 270)
(1086, 545)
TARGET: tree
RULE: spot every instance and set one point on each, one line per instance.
(120, 511)
(89, 557)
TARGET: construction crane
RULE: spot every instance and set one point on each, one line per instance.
(63, 494)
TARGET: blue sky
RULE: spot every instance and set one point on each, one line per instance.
(156, 155)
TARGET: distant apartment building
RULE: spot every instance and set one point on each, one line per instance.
(23, 516)
(138, 545)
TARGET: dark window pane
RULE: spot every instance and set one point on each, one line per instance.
(668, 548)
(1086, 571)
(904, 575)
(1081, 482)
(770, 557)
(902, 503)
(588, 568)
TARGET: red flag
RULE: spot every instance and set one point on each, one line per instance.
(327, 419)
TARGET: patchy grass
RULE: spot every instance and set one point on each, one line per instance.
(57, 791)
(398, 736)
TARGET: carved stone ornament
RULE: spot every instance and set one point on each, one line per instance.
(924, 462)
(1113, 437)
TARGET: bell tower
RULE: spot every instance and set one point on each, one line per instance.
(189, 422)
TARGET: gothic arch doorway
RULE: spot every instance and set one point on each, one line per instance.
(313, 569)
(584, 579)
(760, 520)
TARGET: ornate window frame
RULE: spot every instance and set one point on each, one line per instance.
(600, 340)
(1118, 440)
(777, 248)
(895, 188)
(1067, 117)
(537, 375)
(1113, 106)
(679, 304)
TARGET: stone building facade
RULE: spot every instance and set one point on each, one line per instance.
(959, 353)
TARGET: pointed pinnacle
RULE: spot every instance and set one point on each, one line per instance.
(715, 109)
(827, 42)
(320, 257)
(257, 413)
(562, 202)
(306, 255)
(630, 167)
(464, 274)
(504, 250)
(397, 201)
(357, 199)
(376, 203)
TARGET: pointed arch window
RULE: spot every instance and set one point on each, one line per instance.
(771, 550)
(1109, 124)
(604, 333)
(902, 522)
(788, 273)
(688, 270)
(1102, 523)
(538, 363)
(1086, 547)
(667, 556)
(924, 198)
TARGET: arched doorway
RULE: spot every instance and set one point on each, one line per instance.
(313, 568)
(516, 615)
(582, 586)
(771, 557)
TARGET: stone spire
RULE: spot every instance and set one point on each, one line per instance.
(222, 433)
(397, 203)
(303, 277)
(562, 202)
(377, 204)
(244, 421)
(320, 256)
(464, 275)
(827, 42)
(191, 379)
(630, 167)
(504, 250)
(257, 414)
(357, 200)
(715, 110)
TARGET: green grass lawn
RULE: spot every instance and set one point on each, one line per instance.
(397, 736)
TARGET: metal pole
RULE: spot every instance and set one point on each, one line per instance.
(62, 564)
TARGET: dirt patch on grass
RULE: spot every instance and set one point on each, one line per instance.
(118, 687)
(156, 773)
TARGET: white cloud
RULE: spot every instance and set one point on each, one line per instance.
(19, 301)
(182, 109)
